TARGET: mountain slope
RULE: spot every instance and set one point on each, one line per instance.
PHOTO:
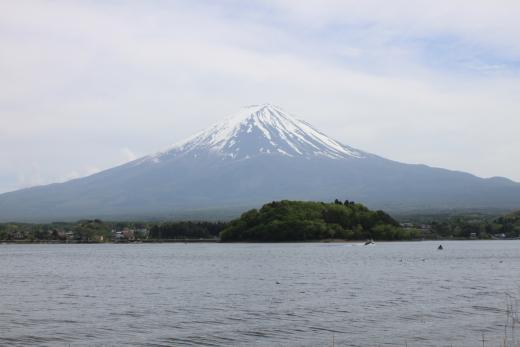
(257, 155)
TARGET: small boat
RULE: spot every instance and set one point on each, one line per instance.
(440, 248)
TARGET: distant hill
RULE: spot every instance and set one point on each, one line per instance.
(308, 221)
(260, 154)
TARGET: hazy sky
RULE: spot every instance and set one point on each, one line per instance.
(86, 85)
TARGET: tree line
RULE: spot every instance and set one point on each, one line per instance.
(280, 221)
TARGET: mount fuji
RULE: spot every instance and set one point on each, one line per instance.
(259, 154)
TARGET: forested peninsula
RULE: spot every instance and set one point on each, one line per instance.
(286, 220)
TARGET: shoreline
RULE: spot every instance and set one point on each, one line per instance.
(53, 242)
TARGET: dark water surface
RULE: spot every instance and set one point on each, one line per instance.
(390, 294)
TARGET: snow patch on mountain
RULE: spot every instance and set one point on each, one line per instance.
(261, 130)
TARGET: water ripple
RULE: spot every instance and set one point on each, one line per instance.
(256, 294)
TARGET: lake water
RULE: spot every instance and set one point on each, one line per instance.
(312, 294)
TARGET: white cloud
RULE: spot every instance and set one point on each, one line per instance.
(128, 154)
(493, 23)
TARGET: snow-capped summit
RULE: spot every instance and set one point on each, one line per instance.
(262, 130)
